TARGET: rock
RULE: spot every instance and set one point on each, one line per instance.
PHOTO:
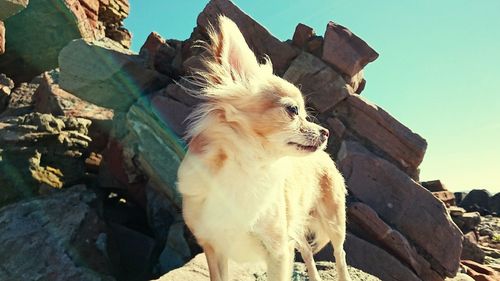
(136, 252)
(39, 149)
(459, 196)
(447, 197)
(111, 15)
(20, 100)
(434, 186)
(480, 272)
(460, 277)
(315, 46)
(302, 35)
(258, 38)
(197, 270)
(324, 87)
(468, 221)
(456, 211)
(392, 241)
(93, 162)
(382, 133)
(346, 51)
(35, 24)
(471, 250)
(11, 7)
(2, 37)
(116, 84)
(50, 98)
(6, 86)
(494, 203)
(403, 204)
(357, 82)
(477, 198)
(176, 252)
(63, 230)
(162, 56)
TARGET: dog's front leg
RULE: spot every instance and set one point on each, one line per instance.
(217, 264)
(279, 264)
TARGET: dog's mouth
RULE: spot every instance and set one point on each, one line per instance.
(309, 148)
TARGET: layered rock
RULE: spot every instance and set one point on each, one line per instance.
(68, 237)
(404, 204)
(40, 151)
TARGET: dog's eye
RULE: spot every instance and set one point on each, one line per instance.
(292, 110)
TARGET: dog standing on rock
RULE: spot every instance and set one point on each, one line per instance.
(256, 183)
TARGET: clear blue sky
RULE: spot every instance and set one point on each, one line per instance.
(438, 70)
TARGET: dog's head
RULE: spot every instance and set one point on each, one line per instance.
(244, 95)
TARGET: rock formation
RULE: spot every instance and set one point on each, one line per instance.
(85, 109)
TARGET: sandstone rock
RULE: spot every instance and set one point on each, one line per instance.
(162, 56)
(321, 84)
(55, 237)
(197, 270)
(315, 46)
(476, 198)
(403, 204)
(302, 35)
(382, 133)
(447, 197)
(11, 7)
(456, 211)
(468, 221)
(2, 37)
(6, 86)
(115, 84)
(361, 254)
(20, 100)
(392, 241)
(357, 82)
(480, 272)
(472, 251)
(35, 25)
(460, 277)
(345, 50)
(50, 98)
(259, 39)
(176, 252)
(39, 149)
(434, 186)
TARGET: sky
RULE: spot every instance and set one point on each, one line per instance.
(438, 71)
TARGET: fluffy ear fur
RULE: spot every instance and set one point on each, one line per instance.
(231, 58)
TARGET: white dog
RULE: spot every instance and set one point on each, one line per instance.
(256, 183)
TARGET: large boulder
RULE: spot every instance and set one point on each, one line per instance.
(323, 86)
(197, 270)
(260, 40)
(403, 204)
(346, 51)
(55, 237)
(11, 7)
(477, 199)
(40, 151)
(20, 99)
(382, 133)
(35, 24)
(115, 84)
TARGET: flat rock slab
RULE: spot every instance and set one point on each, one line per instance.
(260, 40)
(104, 73)
(197, 270)
(11, 7)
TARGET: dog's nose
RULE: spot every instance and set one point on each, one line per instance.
(324, 133)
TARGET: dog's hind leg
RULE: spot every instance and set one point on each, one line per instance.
(217, 264)
(332, 217)
(307, 255)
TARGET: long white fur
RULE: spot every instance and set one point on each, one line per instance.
(251, 192)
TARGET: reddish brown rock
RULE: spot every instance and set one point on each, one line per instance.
(315, 46)
(403, 204)
(480, 272)
(258, 38)
(447, 197)
(2, 37)
(392, 241)
(320, 83)
(302, 35)
(382, 133)
(345, 50)
(434, 185)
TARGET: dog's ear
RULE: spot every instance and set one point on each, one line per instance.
(231, 51)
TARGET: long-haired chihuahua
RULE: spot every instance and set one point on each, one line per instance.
(256, 183)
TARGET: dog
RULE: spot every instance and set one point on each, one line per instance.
(256, 183)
